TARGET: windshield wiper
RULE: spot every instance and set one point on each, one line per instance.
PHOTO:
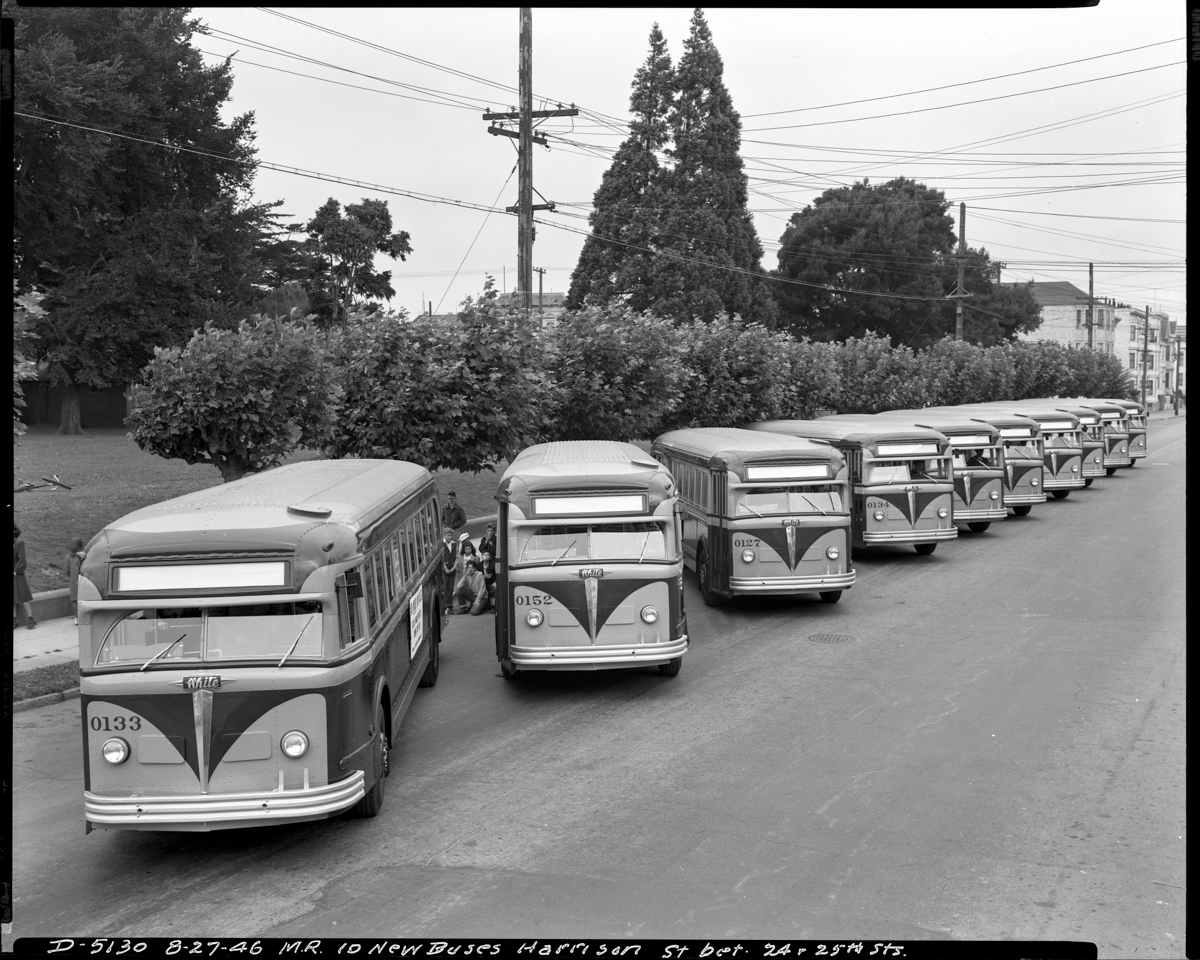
(813, 505)
(297, 643)
(565, 552)
(645, 541)
(162, 653)
(752, 510)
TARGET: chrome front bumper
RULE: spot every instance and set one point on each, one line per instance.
(998, 512)
(223, 811)
(597, 657)
(1070, 483)
(1017, 499)
(765, 585)
(911, 536)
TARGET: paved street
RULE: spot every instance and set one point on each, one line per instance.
(995, 751)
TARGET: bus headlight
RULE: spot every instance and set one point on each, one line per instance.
(943, 512)
(994, 495)
(833, 553)
(1074, 469)
(294, 744)
(878, 514)
(115, 750)
(1034, 482)
(534, 618)
(747, 556)
(649, 614)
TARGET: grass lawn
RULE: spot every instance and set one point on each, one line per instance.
(111, 476)
(42, 680)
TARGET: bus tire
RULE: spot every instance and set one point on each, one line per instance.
(671, 667)
(704, 580)
(1088, 481)
(372, 801)
(978, 526)
(507, 670)
(1110, 470)
(1023, 509)
(831, 596)
(1060, 494)
(925, 549)
(429, 677)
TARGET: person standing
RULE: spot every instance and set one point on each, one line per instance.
(74, 559)
(487, 543)
(449, 556)
(21, 594)
(453, 516)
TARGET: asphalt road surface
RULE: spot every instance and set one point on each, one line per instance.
(994, 751)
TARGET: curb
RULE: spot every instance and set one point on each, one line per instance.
(45, 700)
(51, 604)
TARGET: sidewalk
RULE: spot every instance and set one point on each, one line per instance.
(51, 641)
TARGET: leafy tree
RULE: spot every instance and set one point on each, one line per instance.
(961, 372)
(239, 399)
(1039, 369)
(615, 262)
(876, 376)
(25, 309)
(620, 374)
(710, 255)
(345, 246)
(136, 244)
(814, 380)
(460, 395)
(1096, 374)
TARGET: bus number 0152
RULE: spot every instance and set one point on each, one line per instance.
(537, 600)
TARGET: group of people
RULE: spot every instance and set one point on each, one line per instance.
(468, 575)
(22, 596)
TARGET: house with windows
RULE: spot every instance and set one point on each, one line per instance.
(1151, 353)
(1065, 317)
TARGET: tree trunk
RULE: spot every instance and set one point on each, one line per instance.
(69, 419)
(231, 468)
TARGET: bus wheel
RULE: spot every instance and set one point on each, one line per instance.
(925, 549)
(1023, 509)
(671, 667)
(372, 801)
(1110, 470)
(704, 578)
(429, 677)
(1059, 494)
(1088, 482)
(978, 526)
(831, 596)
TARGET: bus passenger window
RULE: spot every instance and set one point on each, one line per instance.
(369, 583)
(397, 567)
(389, 579)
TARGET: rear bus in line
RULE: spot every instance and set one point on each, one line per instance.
(589, 572)
(248, 652)
(1137, 420)
(1021, 443)
(978, 464)
(1062, 444)
(901, 478)
(1116, 430)
(762, 513)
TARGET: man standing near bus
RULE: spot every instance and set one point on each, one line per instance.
(449, 556)
(453, 516)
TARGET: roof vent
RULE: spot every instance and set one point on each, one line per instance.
(310, 510)
(652, 464)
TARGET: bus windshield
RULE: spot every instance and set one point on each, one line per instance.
(1022, 448)
(180, 634)
(976, 457)
(906, 471)
(571, 543)
(1058, 441)
(817, 498)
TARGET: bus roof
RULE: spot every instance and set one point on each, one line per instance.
(266, 512)
(732, 447)
(575, 465)
(865, 431)
(1043, 411)
(1102, 406)
(998, 417)
(950, 422)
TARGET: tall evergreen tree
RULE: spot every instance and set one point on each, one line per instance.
(616, 259)
(709, 250)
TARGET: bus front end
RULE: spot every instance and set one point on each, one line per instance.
(978, 480)
(906, 495)
(1062, 457)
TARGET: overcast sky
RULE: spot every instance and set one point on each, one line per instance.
(1091, 170)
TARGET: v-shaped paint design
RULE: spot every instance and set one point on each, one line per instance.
(591, 600)
(963, 486)
(790, 543)
(1015, 473)
(911, 503)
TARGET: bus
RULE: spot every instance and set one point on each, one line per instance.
(978, 464)
(589, 566)
(1115, 416)
(900, 476)
(762, 513)
(1137, 419)
(248, 652)
(1092, 434)
(1021, 440)
(1062, 444)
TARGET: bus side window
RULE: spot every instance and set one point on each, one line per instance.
(397, 569)
(389, 579)
(369, 584)
(349, 590)
(405, 564)
(410, 536)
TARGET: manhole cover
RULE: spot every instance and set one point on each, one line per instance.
(832, 638)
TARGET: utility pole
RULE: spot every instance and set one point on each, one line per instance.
(1177, 348)
(541, 272)
(525, 138)
(959, 292)
(1091, 305)
(1145, 352)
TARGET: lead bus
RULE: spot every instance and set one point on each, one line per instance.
(589, 571)
(1021, 442)
(978, 460)
(248, 652)
(901, 478)
(762, 513)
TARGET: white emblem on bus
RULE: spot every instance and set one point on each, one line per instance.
(591, 573)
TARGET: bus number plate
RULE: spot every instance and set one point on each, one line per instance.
(201, 683)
